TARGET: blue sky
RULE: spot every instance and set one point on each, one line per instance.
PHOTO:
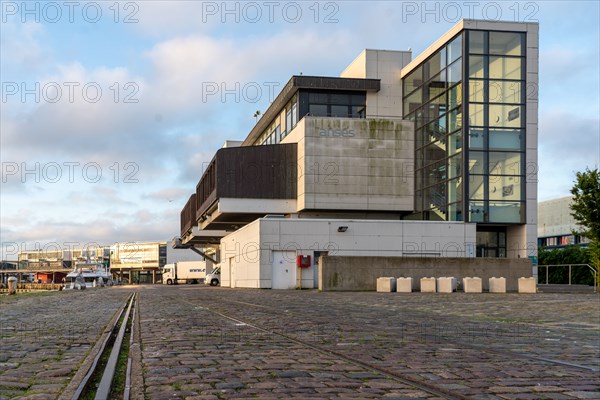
(106, 119)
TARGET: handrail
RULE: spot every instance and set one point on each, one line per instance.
(592, 269)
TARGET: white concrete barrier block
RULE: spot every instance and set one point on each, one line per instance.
(472, 285)
(527, 285)
(497, 285)
(446, 284)
(428, 285)
(386, 284)
(404, 285)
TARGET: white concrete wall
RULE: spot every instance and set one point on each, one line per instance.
(385, 65)
(362, 238)
(239, 258)
(555, 219)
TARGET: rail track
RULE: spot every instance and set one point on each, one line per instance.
(239, 317)
(464, 343)
(109, 376)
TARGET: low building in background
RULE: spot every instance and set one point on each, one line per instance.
(556, 226)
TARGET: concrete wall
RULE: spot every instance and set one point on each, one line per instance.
(361, 273)
(385, 65)
(354, 164)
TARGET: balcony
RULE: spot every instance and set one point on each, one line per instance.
(242, 184)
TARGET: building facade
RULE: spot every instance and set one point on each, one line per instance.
(446, 139)
(556, 226)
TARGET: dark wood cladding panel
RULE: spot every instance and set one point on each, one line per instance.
(188, 215)
(206, 188)
(257, 172)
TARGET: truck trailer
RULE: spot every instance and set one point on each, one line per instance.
(184, 272)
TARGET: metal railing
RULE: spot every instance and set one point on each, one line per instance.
(592, 269)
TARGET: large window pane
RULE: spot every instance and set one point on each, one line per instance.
(476, 90)
(476, 64)
(436, 130)
(454, 190)
(476, 114)
(436, 86)
(435, 197)
(434, 153)
(505, 163)
(505, 67)
(339, 111)
(506, 43)
(455, 142)
(476, 138)
(505, 188)
(506, 139)
(477, 187)
(413, 80)
(506, 212)
(318, 110)
(455, 49)
(506, 116)
(434, 65)
(476, 162)
(455, 96)
(455, 167)
(455, 119)
(435, 173)
(476, 42)
(413, 101)
(455, 73)
(477, 211)
(505, 92)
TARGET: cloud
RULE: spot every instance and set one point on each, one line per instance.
(582, 133)
(143, 225)
(21, 47)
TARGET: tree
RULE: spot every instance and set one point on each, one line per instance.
(586, 210)
(586, 203)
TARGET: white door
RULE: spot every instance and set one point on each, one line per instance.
(284, 270)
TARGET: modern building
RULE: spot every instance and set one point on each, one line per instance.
(397, 157)
(556, 226)
(138, 262)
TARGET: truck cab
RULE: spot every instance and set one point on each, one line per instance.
(214, 278)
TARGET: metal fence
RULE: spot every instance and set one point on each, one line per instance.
(591, 268)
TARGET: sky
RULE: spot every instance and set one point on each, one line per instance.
(111, 110)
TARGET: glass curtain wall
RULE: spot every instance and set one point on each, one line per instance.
(434, 101)
(482, 180)
(496, 126)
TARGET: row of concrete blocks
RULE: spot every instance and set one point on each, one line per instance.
(449, 285)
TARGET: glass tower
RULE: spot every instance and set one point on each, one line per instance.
(468, 100)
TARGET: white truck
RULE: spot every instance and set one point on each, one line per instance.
(184, 272)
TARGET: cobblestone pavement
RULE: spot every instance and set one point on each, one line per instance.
(212, 343)
(223, 343)
(45, 337)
